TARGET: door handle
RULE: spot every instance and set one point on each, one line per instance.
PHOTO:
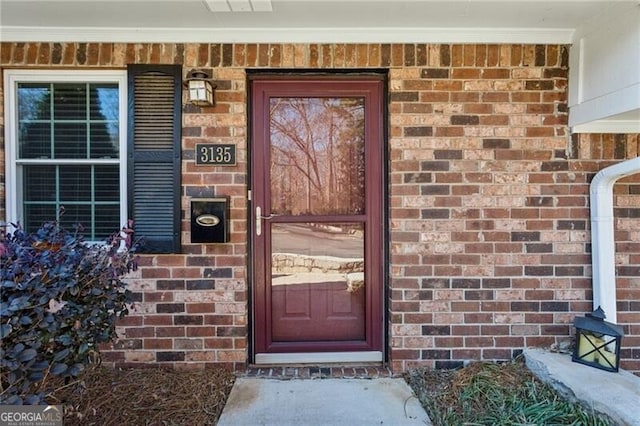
(258, 221)
(260, 218)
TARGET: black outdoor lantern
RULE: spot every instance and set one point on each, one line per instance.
(200, 88)
(597, 341)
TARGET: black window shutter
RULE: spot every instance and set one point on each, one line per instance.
(153, 175)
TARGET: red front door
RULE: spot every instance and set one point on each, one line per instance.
(317, 215)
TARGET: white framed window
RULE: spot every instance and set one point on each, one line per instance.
(65, 136)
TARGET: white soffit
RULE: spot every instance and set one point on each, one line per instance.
(297, 21)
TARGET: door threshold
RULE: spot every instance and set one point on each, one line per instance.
(318, 357)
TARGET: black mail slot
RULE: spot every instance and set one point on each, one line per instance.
(210, 220)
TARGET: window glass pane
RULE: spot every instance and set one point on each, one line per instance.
(77, 214)
(317, 281)
(103, 102)
(36, 214)
(104, 110)
(70, 102)
(75, 183)
(34, 101)
(71, 140)
(34, 115)
(104, 140)
(107, 221)
(34, 140)
(317, 155)
(39, 183)
(107, 183)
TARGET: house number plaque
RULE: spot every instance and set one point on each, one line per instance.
(209, 154)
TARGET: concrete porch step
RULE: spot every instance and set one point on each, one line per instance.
(326, 402)
(615, 394)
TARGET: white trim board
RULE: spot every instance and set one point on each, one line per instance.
(619, 102)
(608, 126)
(288, 35)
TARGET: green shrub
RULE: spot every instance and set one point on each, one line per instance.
(61, 297)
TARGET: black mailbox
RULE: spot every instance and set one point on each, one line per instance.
(210, 220)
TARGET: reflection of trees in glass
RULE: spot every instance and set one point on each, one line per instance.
(58, 121)
(76, 121)
(317, 155)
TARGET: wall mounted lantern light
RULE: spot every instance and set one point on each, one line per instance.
(200, 88)
(597, 341)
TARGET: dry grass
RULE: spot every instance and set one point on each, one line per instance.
(145, 397)
(494, 394)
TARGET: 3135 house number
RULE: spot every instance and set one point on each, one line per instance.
(215, 154)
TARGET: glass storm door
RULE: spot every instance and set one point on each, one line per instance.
(317, 218)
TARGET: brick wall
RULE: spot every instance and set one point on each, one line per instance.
(489, 220)
(492, 250)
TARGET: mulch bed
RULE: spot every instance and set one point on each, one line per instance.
(443, 388)
(145, 397)
(480, 394)
(504, 394)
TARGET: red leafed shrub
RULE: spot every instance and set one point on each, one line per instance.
(61, 297)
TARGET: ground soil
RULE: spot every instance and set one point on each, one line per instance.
(155, 396)
(145, 397)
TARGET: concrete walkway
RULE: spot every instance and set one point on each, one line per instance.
(315, 402)
(615, 394)
(390, 401)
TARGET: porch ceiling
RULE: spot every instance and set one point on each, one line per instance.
(525, 21)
